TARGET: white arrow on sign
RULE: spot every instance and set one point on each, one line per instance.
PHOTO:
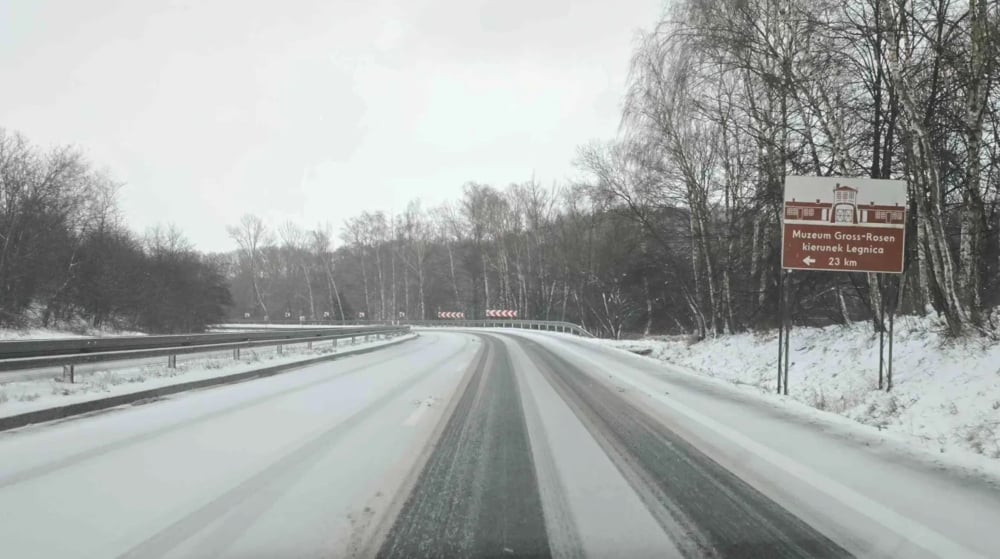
(809, 260)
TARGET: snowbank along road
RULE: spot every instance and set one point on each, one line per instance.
(476, 444)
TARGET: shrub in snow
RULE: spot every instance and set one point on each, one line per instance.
(59, 390)
(984, 438)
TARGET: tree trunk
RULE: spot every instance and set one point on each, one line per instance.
(364, 282)
(486, 286)
(845, 315)
(333, 289)
(309, 290)
(406, 292)
(392, 315)
(973, 214)
(454, 278)
(256, 289)
(875, 300)
(420, 288)
(925, 178)
(649, 306)
(565, 300)
(381, 281)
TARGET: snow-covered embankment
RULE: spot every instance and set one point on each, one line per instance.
(945, 396)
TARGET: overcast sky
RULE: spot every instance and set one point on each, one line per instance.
(313, 110)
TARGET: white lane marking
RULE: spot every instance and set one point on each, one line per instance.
(909, 529)
(419, 412)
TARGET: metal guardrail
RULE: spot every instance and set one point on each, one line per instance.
(38, 348)
(544, 325)
(37, 354)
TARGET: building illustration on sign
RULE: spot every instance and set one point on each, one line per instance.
(843, 209)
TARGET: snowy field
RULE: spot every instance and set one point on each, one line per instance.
(946, 393)
(231, 327)
(7, 334)
(30, 395)
(316, 462)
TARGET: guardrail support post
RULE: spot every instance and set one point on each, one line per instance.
(68, 371)
(171, 361)
(280, 349)
(352, 340)
(309, 345)
(236, 354)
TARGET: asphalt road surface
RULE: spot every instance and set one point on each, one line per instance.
(478, 444)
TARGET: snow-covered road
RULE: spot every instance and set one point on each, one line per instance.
(477, 444)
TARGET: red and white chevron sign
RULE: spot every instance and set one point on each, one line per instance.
(449, 314)
(501, 314)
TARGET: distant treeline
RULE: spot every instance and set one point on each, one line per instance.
(675, 225)
(66, 257)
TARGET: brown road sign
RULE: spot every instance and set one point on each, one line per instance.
(843, 225)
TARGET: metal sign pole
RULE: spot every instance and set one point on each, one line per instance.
(781, 323)
(881, 329)
(788, 327)
(888, 386)
(892, 315)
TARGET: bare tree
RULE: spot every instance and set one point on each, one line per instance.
(296, 245)
(251, 235)
(417, 235)
(321, 240)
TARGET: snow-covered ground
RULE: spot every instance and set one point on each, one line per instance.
(24, 396)
(315, 462)
(9, 334)
(230, 327)
(945, 396)
(286, 466)
(844, 478)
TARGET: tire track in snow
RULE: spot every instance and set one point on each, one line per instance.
(477, 495)
(705, 508)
